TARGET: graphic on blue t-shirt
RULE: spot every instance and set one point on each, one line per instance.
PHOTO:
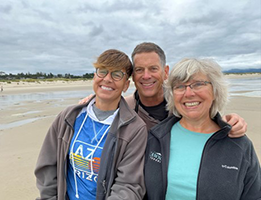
(84, 157)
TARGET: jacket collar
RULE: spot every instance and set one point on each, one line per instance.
(165, 126)
(125, 115)
(72, 113)
(224, 127)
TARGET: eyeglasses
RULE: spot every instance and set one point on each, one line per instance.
(115, 75)
(196, 86)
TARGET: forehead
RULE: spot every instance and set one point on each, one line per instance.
(199, 77)
(193, 78)
(146, 59)
(113, 68)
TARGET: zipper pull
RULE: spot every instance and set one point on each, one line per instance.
(104, 186)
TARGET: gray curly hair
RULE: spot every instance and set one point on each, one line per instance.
(184, 70)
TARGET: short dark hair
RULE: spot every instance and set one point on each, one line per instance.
(147, 47)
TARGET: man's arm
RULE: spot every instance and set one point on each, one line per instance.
(86, 99)
(239, 126)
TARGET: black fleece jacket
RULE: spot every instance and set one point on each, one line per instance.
(229, 168)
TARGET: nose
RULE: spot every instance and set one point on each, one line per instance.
(108, 78)
(146, 74)
(189, 91)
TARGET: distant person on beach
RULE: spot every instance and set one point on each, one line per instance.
(150, 72)
(96, 150)
(2, 88)
(189, 155)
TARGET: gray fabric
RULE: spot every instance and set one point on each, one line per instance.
(100, 114)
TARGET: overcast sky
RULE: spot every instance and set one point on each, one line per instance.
(65, 36)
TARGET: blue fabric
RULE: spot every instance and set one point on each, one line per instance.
(185, 154)
(85, 157)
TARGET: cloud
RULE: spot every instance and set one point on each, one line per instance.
(66, 37)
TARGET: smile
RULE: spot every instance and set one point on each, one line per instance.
(147, 84)
(191, 104)
(106, 88)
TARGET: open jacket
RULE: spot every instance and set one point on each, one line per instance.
(144, 115)
(229, 168)
(122, 161)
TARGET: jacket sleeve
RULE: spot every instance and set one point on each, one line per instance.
(252, 182)
(46, 166)
(129, 181)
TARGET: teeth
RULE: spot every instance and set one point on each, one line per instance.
(146, 84)
(191, 104)
(106, 88)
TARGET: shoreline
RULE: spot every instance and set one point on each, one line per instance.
(20, 143)
(45, 86)
(242, 76)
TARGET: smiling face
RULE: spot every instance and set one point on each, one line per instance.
(148, 76)
(108, 91)
(195, 105)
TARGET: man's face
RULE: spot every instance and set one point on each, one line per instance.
(149, 75)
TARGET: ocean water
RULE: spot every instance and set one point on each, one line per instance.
(249, 87)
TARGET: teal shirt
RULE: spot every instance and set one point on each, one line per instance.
(185, 154)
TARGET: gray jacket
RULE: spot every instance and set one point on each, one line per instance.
(229, 168)
(123, 152)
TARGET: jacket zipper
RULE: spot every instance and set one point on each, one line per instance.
(203, 152)
(104, 186)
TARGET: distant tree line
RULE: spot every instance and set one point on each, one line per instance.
(41, 75)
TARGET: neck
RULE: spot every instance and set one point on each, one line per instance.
(200, 126)
(106, 106)
(152, 101)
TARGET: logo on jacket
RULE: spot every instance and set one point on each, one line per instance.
(229, 167)
(155, 156)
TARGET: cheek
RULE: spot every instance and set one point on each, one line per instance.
(135, 77)
(95, 78)
(95, 82)
(176, 99)
(211, 95)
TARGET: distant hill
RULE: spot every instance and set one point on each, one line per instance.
(239, 71)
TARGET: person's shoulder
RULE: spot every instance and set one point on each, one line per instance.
(134, 115)
(243, 142)
(130, 100)
(70, 109)
(245, 145)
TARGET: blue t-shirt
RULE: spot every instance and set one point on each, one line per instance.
(185, 154)
(84, 154)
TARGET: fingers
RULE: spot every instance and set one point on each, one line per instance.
(82, 101)
(231, 119)
(238, 130)
(86, 99)
(239, 126)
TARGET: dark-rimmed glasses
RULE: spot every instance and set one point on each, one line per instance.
(116, 75)
(196, 86)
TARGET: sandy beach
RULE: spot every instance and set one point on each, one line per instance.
(23, 127)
